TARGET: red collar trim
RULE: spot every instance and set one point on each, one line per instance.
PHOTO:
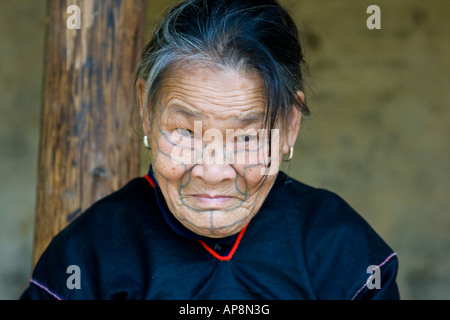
(152, 183)
(233, 250)
(208, 248)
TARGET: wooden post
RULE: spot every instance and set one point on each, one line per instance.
(88, 147)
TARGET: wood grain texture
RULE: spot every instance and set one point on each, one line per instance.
(88, 147)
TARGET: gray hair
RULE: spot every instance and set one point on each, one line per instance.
(246, 35)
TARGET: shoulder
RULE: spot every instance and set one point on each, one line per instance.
(323, 214)
(338, 244)
(316, 208)
(110, 217)
(103, 235)
(131, 205)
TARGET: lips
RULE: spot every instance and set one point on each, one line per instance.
(212, 199)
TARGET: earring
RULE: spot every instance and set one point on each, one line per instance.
(291, 154)
(146, 143)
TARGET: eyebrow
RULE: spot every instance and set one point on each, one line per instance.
(189, 113)
(252, 118)
(246, 119)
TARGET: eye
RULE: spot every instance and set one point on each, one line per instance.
(246, 138)
(185, 132)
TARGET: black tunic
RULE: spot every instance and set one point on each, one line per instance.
(304, 243)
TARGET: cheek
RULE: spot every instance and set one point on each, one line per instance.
(162, 160)
(252, 175)
(168, 169)
(253, 179)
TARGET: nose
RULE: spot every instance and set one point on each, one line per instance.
(214, 173)
(213, 167)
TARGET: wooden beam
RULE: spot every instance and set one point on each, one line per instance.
(88, 147)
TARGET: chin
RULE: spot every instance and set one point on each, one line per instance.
(217, 224)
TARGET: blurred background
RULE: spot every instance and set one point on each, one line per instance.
(379, 133)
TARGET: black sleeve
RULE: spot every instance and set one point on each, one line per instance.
(383, 288)
(76, 265)
(52, 276)
(342, 250)
(38, 291)
(93, 258)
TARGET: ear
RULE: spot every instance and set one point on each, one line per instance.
(293, 125)
(141, 84)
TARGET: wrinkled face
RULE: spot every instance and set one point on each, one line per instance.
(209, 155)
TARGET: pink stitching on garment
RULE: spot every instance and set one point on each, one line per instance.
(45, 288)
(379, 266)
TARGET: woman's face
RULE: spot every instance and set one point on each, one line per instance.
(208, 152)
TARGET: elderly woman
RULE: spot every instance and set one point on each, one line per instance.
(220, 94)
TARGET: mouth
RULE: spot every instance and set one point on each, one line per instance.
(209, 199)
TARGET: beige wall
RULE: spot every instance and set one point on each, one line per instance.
(378, 135)
(21, 44)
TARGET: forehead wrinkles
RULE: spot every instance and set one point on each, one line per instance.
(214, 93)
